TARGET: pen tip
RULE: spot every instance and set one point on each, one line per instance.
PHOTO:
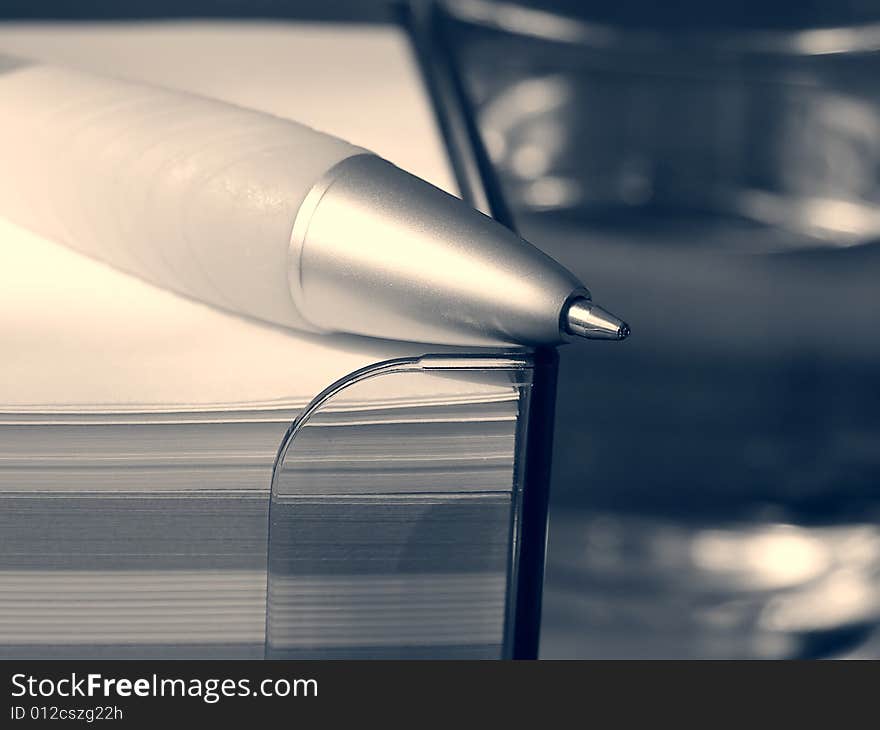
(585, 319)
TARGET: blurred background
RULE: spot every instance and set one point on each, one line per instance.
(712, 170)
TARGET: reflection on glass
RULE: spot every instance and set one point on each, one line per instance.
(717, 182)
(645, 586)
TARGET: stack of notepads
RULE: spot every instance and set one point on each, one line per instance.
(137, 443)
(152, 502)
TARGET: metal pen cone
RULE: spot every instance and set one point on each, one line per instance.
(585, 319)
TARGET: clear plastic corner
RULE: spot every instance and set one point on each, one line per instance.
(395, 513)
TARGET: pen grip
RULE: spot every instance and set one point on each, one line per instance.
(191, 194)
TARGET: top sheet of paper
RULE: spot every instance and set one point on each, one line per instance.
(79, 335)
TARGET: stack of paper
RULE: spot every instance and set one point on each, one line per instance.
(139, 430)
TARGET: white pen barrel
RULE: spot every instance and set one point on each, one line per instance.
(194, 195)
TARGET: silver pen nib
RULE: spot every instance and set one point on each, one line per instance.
(585, 319)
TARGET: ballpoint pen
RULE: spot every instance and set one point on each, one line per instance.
(268, 218)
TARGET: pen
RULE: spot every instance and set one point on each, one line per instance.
(268, 218)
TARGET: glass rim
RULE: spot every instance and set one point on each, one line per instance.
(515, 19)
